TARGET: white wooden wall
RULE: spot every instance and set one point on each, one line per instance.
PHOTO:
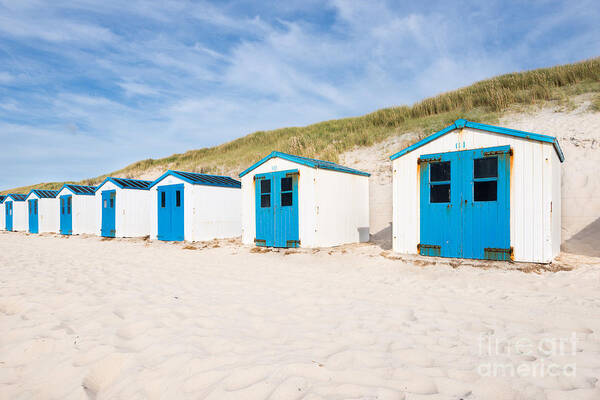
(333, 207)
(132, 211)
(535, 171)
(342, 208)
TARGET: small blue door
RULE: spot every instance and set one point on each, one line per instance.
(66, 214)
(33, 216)
(441, 225)
(9, 215)
(171, 212)
(465, 204)
(486, 204)
(277, 209)
(108, 213)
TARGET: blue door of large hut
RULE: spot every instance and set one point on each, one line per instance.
(66, 214)
(465, 204)
(108, 213)
(9, 215)
(486, 203)
(276, 208)
(170, 212)
(33, 215)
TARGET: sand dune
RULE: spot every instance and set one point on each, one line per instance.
(85, 318)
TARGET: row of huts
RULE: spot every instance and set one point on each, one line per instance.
(468, 191)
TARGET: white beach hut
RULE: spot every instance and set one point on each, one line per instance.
(195, 207)
(124, 208)
(77, 209)
(15, 212)
(42, 211)
(2, 214)
(479, 191)
(292, 201)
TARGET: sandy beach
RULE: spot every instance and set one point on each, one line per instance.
(82, 318)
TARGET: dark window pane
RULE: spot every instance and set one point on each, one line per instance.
(265, 200)
(486, 191)
(286, 199)
(163, 199)
(35, 207)
(265, 186)
(286, 184)
(485, 167)
(439, 171)
(440, 193)
(112, 202)
(178, 198)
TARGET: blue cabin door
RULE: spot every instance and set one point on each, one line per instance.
(277, 209)
(33, 216)
(486, 204)
(66, 214)
(108, 213)
(9, 215)
(465, 204)
(171, 212)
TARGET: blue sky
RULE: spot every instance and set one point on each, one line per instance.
(89, 86)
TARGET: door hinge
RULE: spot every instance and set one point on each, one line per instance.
(428, 160)
(498, 152)
(490, 253)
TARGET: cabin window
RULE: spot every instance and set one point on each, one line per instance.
(485, 179)
(112, 202)
(439, 179)
(68, 205)
(178, 198)
(485, 191)
(485, 167)
(286, 192)
(105, 205)
(62, 206)
(35, 207)
(286, 199)
(163, 199)
(440, 193)
(265, 193)
(439, 171)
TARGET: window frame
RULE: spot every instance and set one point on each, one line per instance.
(440, 183)
(486, 179)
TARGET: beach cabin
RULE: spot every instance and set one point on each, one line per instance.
(2, 215)
(124, 208)
(195, 207)
(42, 210)
(479, 191)
(77, 209)
(292, 201)
(15, 212)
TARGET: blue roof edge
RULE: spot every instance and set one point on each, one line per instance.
(461, 123)
(11, 195)
(300, 160)
(46, 190)
(111, 179)
(77, 194)
(172, 172)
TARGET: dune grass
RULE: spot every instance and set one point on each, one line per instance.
(483, 101)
